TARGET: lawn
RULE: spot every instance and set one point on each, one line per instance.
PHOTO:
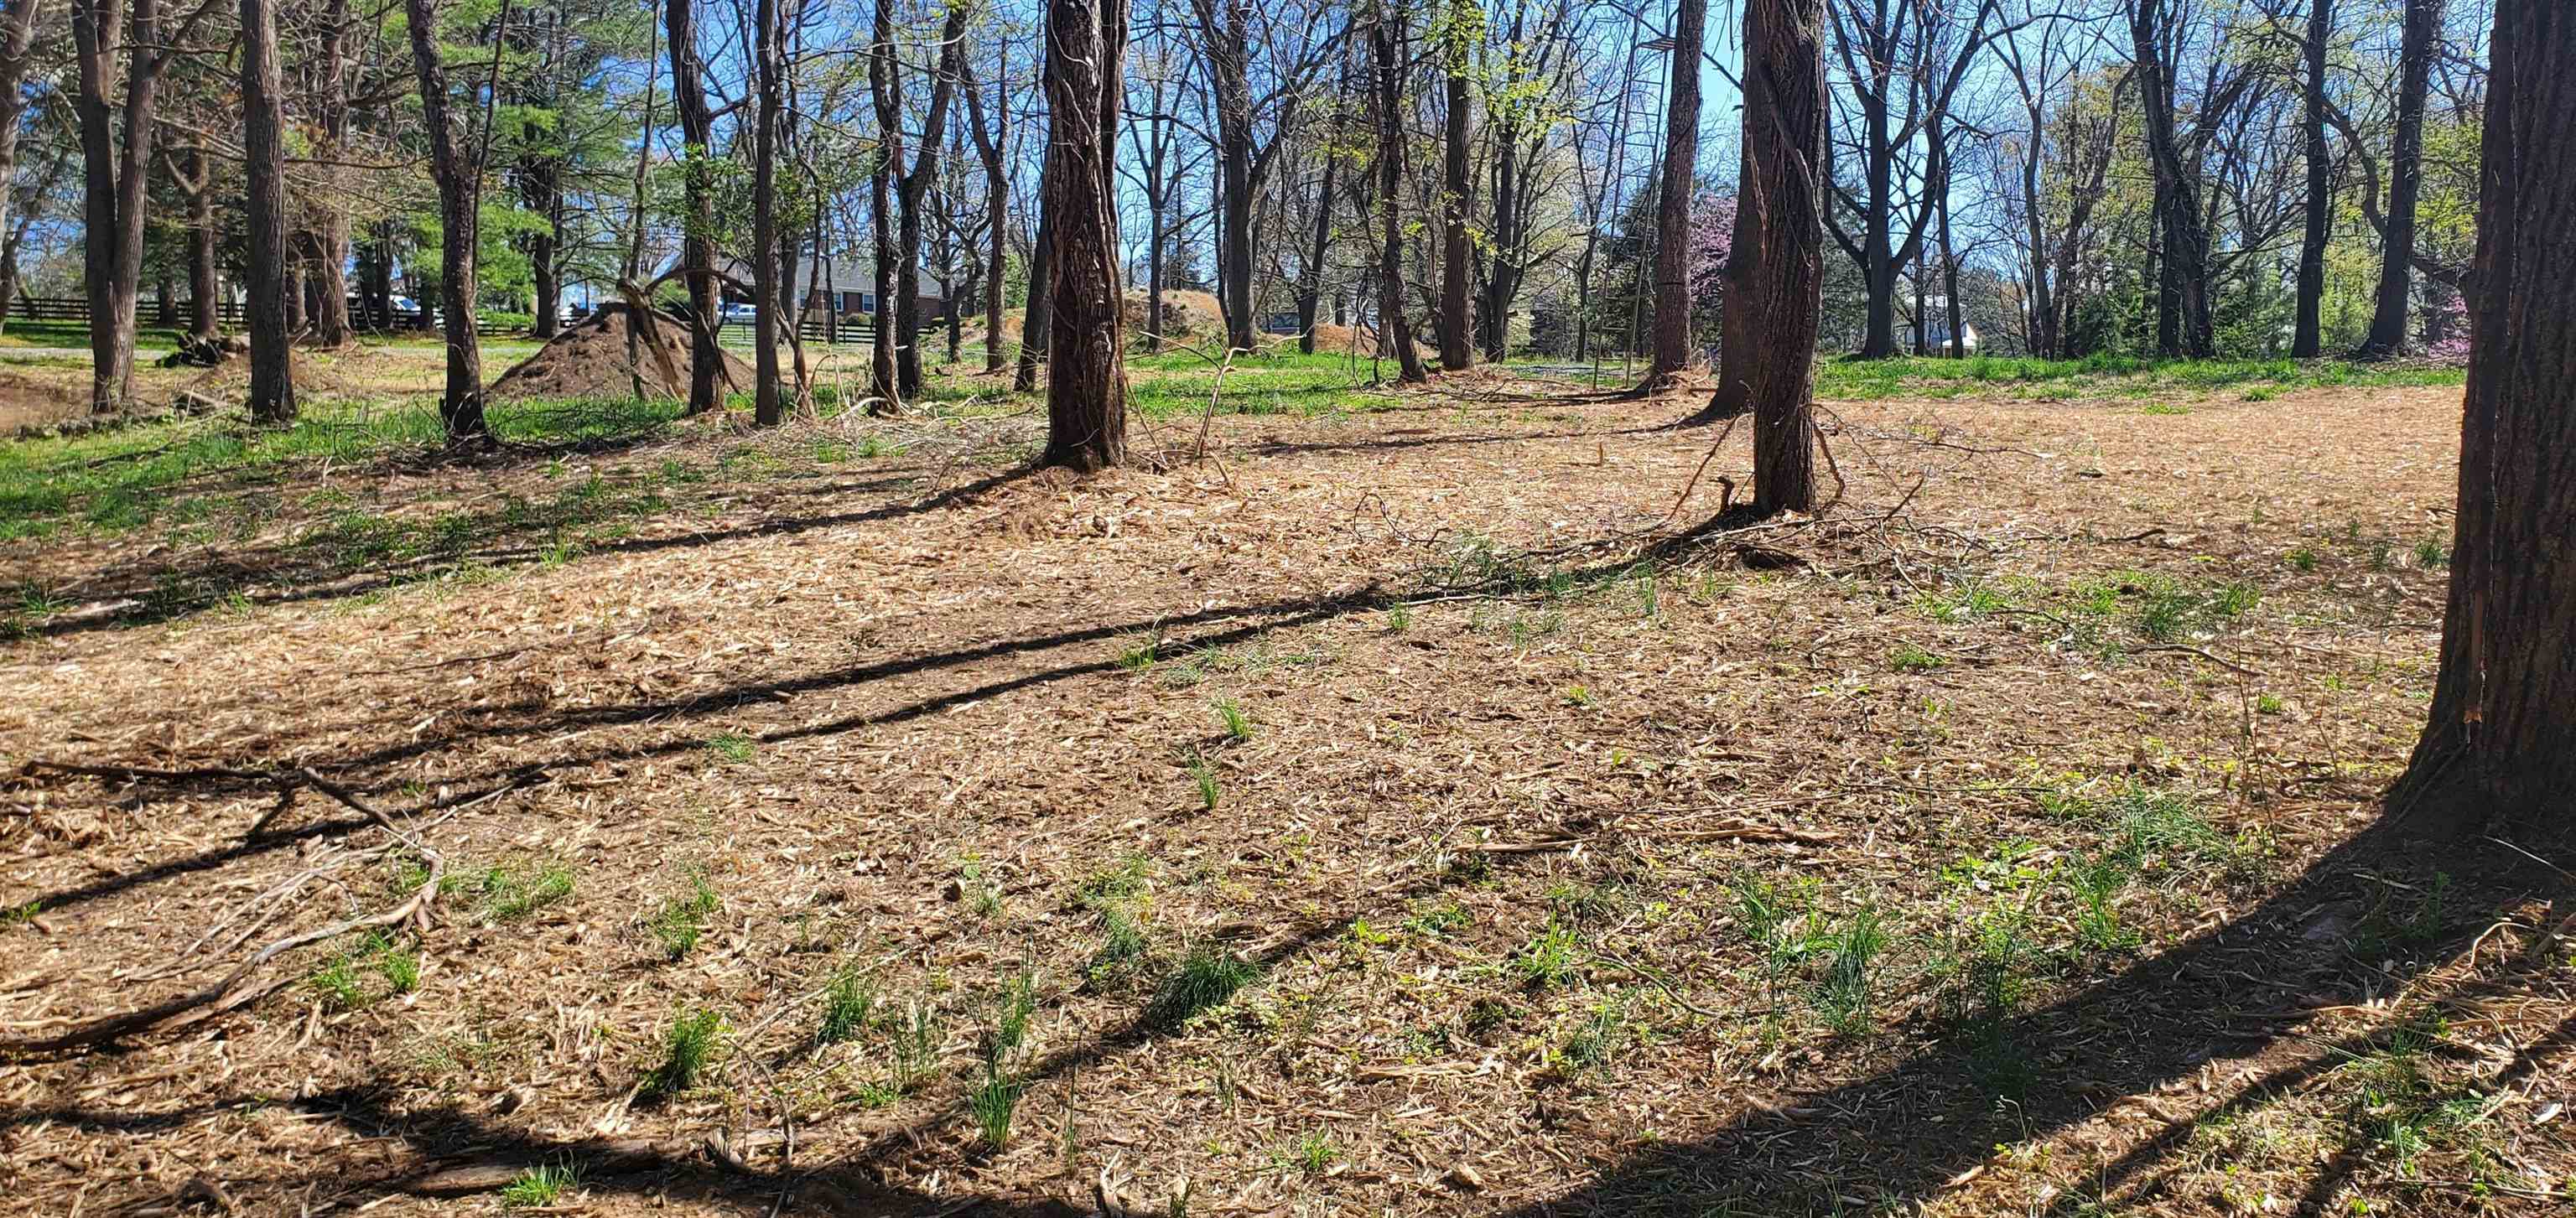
(1393, 804)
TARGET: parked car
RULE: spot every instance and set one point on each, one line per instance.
(739, 313)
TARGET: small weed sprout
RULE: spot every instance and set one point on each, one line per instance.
(337, 985)
(1203, 775)
(1207, 977)
(1137, 655)
(849, 1003)
(1906, 657)
(1843, 995)
(688, 1048)
(733, 748)
(994, 1103)
(2096, 882)
(2429, 554)
(1550, 958)
(515, 891)
(1312, 1153)
(1399, 617)
(916, 1045)
(541, 1186)
(1238, 724)
(683, 918)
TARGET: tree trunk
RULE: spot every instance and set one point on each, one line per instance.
(2307, 339)
(2405, 181)
(460, 409)
(1039, 317)
(1310, 292)
(1458, 193)
(272, 383)
(205, 288)
(997, 197)
(1086, 353)
(1784, 139)
(1226, 24)
(2499, 743)
(1386, 35)
(113, 202)
(698, 208)
(1672, 332)
(17, 40)
(2184, 325)
(768, 62)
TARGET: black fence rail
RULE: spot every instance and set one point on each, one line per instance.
(234, 314)
(848, 329)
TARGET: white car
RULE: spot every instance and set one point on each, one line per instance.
(740, 313)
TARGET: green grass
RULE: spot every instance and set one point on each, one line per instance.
(688, 1048)
(541, 1186)
(1281, 382)
(681, 919)
(849, 1005)
(118, 480)
(515, 890)
(2105, 376)
(1208, 977)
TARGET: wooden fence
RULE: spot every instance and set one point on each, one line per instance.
(850, 329)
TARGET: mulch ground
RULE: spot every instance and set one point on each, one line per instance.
(1512, 756)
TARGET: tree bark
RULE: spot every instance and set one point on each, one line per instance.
(2184, 324)
(911, 189)
(1784, 85)
(1458, 191)
(114, 157)
(460, 408)
(205, 287)
(2405, 181)
(2307, 339)
(997, 197)
(770, 280)
(272, 382)
(2499, 743)
(697, 243)
(17, 42)
(1086, 352)
(1386, 38)
(1226, 24)
(1679, 180)
(1039, 316)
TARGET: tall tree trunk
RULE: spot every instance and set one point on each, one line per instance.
(1672, 332)
(2405, 181)
(116, 149)
(272, 381)
(885, 88)
(1086, 353)
(2184, 324)
(1458, 192)
(2499, 743)
(912, 190)
(1227, 29)
(2307, 339)
(460, 409)
(1310, 293)
(768, 277)
(205, 287)
(17, 41)
(997, 196)
(1784, 83)
(1039, 317)
(1386, 37)
(698, 207)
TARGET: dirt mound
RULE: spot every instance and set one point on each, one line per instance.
(1354, 340)
(1185, 314)
(590, 360)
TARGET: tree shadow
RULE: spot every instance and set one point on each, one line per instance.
(2235, 990)
(311, 571)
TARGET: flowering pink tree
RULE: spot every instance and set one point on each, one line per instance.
(1712, 233)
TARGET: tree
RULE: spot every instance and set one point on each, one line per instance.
(116, 156)
(2185, 324)
(1679, 181)
(698, 221)
(997, 193)
(1228, 31)
(1086, 362)
(912, 185)
(1464, 28)
(272, 384)
(769, 73)
(1386, 48)
(2499, 743)
(460, 407)
(2307, 338)
(17, 54)
(2405, 179)
(1779, 222)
